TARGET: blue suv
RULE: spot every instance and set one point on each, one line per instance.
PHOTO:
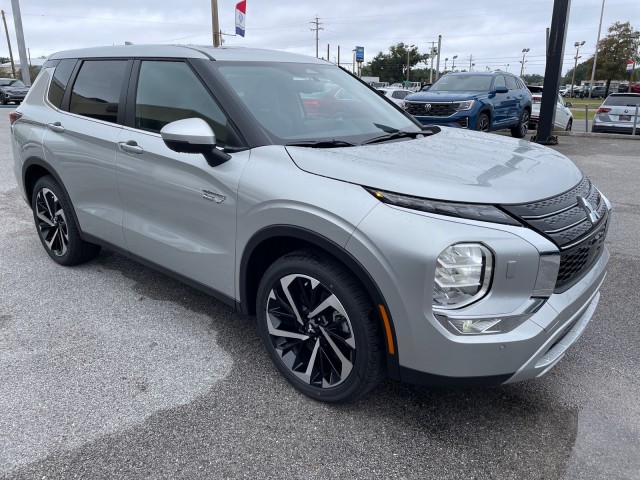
(480, 101)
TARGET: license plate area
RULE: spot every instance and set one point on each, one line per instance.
(625, 118)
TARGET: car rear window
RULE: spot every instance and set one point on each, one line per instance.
(96, 91)
(622, 100)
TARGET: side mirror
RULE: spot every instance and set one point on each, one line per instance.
(501, 89)
(193, 135)
(568, 104)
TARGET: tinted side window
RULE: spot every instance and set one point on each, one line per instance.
(511, 82)
(60, 80)
(499, 82)
(399, 94)
(96, 91)
(170, 91)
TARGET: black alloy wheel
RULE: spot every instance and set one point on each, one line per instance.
(58, 232)
(316, 324)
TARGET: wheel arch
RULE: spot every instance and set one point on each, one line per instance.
(33, 169)
(270, 243)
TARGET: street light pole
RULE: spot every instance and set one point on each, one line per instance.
(453, 63)
(573, 77)
(445, 64)
(524, 52)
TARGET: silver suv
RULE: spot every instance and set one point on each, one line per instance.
(364, 243)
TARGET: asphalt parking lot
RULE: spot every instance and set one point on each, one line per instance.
(110, 369)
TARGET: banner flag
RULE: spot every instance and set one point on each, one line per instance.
(241, 11)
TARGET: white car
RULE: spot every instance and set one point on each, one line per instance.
(564, 117)
(396, 95)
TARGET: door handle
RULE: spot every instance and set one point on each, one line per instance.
(56, 127)
(130, 146)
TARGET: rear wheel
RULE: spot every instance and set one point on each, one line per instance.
(482, 123)
(520, 130)
(59, 234)
(317, 326)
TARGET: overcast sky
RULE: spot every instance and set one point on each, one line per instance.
(493, 31)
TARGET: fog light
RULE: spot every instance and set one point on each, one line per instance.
(462, 276)
(475, 325)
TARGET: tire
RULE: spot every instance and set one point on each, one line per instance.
(483, 124)
(335, 356)
(523, 125)
(569, 125)
(4, 101)
(57, 229)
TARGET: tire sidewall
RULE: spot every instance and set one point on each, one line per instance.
(285, 266)
(51, 184)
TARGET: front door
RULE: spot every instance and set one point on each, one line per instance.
(179, 212)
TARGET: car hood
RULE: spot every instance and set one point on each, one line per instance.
(454, 165)
(430, 96)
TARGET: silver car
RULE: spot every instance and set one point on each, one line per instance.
(364, 243)
(617, 114)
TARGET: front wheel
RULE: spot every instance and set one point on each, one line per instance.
(57, 229)
(482, 123)
(569, 125)
(318, 327)
(523, 125)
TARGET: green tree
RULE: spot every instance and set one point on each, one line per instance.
(533, 79)
(614, 50)
(389, 66)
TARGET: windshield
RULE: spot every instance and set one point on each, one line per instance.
(11, 82)
(298, 102)
(462, 83)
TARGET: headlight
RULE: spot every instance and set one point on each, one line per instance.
(485, 213)
(466, 105)
(462, 275)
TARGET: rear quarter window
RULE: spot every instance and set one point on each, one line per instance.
(60, 80)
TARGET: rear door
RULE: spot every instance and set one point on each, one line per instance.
(179, 213)
(81, 142)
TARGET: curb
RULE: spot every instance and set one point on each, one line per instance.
(618, 136)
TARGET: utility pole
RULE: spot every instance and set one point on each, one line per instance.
(433, 54)
(317, 28)
(22, 50)
(470, 60)
(215, 24)
(438, 62)
(524, 52)
(595, 55)
(338, 55)
(6, 30)
(328, 52)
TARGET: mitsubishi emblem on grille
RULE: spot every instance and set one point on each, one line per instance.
(589, 210)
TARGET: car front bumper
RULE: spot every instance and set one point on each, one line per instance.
(427, 352)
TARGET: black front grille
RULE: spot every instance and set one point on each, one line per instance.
(565, 220)
(432, 109)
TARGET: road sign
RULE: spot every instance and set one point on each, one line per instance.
(360, 54)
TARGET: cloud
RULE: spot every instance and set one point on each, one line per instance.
(494, 31)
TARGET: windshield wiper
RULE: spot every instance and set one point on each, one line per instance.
(396, 134)
(321, 143)
(393, 136)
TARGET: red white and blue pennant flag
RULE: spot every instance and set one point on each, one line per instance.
(241, 11)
